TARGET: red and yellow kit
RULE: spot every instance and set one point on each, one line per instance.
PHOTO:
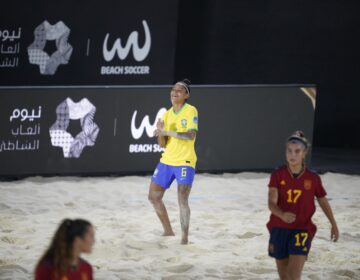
(296, 195)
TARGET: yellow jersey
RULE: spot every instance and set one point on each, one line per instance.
(180, 152)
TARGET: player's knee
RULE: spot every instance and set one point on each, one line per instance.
(154, 199)
(183, 201)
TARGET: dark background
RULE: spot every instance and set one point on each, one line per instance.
(92, 21)
(219, 42)
(226, 42)
(276, 42)
(234, 123)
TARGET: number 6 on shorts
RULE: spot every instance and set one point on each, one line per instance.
(183, 172)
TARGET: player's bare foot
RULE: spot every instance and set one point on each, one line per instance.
(184, 241)
(168, 233)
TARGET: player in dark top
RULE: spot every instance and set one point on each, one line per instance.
(62, 260)
(292, 191)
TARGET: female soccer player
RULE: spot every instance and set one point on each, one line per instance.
(292, 191)
(176, 132)
(62, 259)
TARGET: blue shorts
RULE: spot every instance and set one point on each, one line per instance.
(284, 242)
(165, 174)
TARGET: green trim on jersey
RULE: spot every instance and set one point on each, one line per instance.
(182, 107)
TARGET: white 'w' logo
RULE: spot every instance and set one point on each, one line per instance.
(145, 124)
(139, 53)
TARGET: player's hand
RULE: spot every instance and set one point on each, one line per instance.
(334, 233)
(288, 217)
(156, 132)
(160, 124)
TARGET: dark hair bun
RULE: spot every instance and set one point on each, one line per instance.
(186, 81)
(299, 133)
(299, 136)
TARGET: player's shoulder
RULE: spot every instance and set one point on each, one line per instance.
(280, 169)
(312, 173)
(190, 107)
(166, 113)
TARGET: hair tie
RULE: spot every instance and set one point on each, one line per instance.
(186, 84)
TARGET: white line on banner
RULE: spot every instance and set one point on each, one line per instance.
(159, 86)
(115, 126)
(88, 47)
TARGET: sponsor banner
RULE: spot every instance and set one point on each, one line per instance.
(108, 43)
(47, 130)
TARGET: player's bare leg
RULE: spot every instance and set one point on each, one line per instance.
(295, 266)
(282, 268)
(156, 194)
(183, 199)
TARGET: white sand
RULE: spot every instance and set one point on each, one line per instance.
(228, 238)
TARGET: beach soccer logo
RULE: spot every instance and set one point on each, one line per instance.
(145, 126)
(49, 63)
(121, 49)
(67, 111)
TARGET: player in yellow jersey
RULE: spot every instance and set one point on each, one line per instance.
(176, 132)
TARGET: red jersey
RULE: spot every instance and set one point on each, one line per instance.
(45, 271)
(296, 195)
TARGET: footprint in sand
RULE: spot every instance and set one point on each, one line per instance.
(70, 204)
(208, 217)
(348, 237)
(13, 268)
(179, 268)
(261, 270)
(18, 212)
(347, 273)
(315, 277)
(4, 206)
(232, 270)
(142, 245)
(175, 277)
(174, 259)
(134, 245)
(247, 235)
(192, 249)
(7, 239)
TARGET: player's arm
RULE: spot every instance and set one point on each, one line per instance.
(287, 217)
(164, 134)
(190, 135)
(325, 206)
(162, 140)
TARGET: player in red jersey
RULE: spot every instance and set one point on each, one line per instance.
(62, 260)
(292, 192)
